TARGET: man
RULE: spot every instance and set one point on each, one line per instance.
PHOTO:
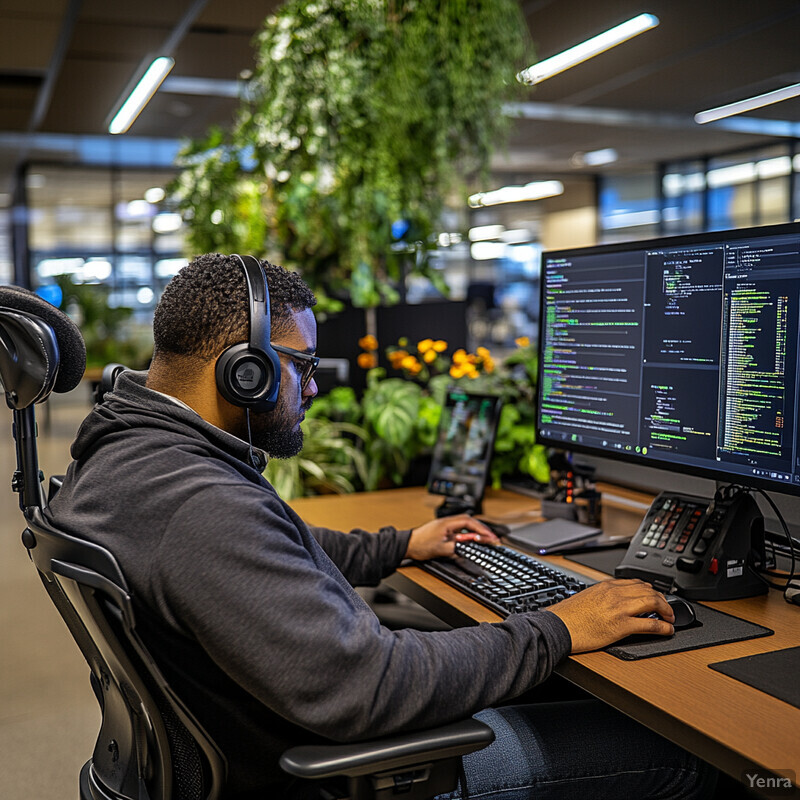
(252, 615)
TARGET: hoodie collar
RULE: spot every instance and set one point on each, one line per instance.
(131, 401)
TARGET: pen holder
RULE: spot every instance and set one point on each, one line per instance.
(588, 509)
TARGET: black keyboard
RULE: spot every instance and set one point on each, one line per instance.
(504, 580)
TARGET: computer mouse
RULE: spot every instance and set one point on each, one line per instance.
(497, 528)
(683, 610)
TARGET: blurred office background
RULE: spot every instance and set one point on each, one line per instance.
(617, 133)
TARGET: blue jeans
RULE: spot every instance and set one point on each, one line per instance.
(579, 749)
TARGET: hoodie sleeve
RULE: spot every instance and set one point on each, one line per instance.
(270, 607)
(365, 559)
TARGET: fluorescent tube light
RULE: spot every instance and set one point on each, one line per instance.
(585, 50)
(155, 194)
(740, 106)
(167, 222)
(516, 236)
(777, 167)
(487, 251)
(141, 95)
(516, 194)
(732, 175)
(630, 219)
(596, 158)
(483, 233)
(675, 184)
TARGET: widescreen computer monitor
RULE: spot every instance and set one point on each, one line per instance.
(679, 353)
(463, 450)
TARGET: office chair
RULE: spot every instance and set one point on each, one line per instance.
(150, 745)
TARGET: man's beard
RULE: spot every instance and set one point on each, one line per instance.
(275, 432)
(278, 443)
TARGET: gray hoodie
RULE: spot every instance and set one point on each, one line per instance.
(251, 613)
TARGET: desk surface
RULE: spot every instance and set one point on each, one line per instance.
(733, 726)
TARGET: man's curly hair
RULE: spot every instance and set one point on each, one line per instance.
(204, 308)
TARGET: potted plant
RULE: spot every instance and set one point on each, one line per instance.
(359, 120)
(374, 441)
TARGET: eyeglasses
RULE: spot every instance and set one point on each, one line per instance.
(310, 363)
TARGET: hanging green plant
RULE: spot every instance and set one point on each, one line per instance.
(361, 118)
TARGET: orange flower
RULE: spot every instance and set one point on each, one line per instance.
(367, 361)
(424, 345)
(429, 356)
(456, 372)
(460, 356)
(440, 345)
(396, 357)
(483, 353)
(410, 363)
(368, 342)
(488, 365)
(523, 341)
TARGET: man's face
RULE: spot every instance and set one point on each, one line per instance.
(278, 432)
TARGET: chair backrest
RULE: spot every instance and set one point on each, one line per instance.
(150, 747)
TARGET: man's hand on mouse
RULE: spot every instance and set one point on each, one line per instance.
(439, 536)
(609, 611)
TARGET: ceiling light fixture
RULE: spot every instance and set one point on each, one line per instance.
(537, 190)
(740, 106)
(588, 49)
(596, 158)
(155, 194)
(140, 96)
(484, 233)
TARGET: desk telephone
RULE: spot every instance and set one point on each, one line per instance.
(699, 549)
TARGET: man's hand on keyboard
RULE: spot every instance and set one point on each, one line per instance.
(439, 536)
(611, 610)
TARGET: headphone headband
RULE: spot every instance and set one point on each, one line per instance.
(258, 301)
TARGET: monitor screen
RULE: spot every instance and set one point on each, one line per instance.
(463, 450)
(678, 353)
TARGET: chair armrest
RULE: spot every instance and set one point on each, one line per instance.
(380, 755)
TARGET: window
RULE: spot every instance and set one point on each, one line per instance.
(106, 226)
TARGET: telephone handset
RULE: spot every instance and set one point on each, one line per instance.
(699, 548)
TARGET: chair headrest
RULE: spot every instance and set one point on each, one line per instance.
(41, 348)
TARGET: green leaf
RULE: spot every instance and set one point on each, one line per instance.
(358, 114)
(394, 424)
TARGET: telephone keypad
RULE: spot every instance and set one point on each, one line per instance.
(673, 517)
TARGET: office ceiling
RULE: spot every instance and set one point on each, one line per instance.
(65, 63)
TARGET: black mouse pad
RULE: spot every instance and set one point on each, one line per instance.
(774, 673)
(710, 628)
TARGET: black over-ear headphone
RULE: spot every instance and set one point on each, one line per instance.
(249, 373)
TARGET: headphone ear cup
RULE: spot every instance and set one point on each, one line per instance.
(247, 379)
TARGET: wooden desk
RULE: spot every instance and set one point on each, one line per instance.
(731, 725)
